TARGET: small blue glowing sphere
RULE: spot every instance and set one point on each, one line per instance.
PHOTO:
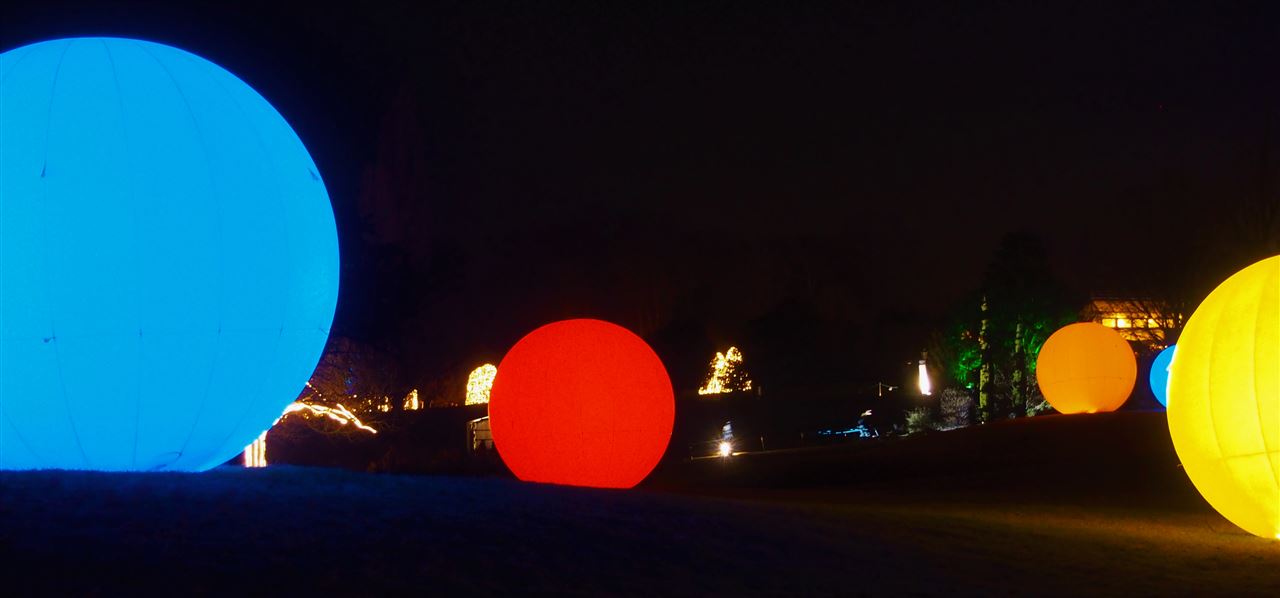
(1159, 377)
(168, 259)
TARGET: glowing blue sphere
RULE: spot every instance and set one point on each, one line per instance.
(168, 259)
(1159, 376)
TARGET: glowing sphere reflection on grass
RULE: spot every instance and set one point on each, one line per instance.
(1159, 376)
(582, 403)
(1086, 368)
(168, 259)
(1224, 398)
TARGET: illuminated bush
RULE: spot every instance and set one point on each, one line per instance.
(411, 401)
(954, 407)
(168, 259)
(920, 419)
(1224, 398)
(581, 402)
(479, 383)
(726, 374)
(1086, 368)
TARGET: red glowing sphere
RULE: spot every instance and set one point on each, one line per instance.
(582, 403)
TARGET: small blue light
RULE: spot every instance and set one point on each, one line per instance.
(1159, 376)
(168, 259)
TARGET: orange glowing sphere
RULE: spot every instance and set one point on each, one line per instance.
(1086, 368)
(582, 403)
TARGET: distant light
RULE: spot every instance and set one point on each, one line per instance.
(1159, 376)
(926, 388)
(479, 383)
(726, 449)
(412, 402)
(255, 455)
(340, 414)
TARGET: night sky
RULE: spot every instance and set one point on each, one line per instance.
(821, 178)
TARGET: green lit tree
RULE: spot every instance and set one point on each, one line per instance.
(991, 339)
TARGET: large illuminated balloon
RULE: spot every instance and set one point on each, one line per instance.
(583, 403)
(168, 259)
(1224, 398)
(1159, 376)
(1086, 368)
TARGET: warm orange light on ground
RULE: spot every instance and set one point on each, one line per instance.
(1224, 398)
(1086, 368)
(583, 403)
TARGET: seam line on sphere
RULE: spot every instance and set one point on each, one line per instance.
(174, 332)
(16, 63)
(44, 221)
(21, 438)
(204, 400)
(137, 391)
(1264, 453)
(275, 358)
(1208, 373)
(284, 218)
(4, 416)
(53, 91)
(1272, 273)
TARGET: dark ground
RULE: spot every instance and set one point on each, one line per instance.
(1054, 505)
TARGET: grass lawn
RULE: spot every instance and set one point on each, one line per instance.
(1055, 505)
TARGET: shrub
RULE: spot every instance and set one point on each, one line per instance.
(1036, 404)
(955, 405)
(920, 419)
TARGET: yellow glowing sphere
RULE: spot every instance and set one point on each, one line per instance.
(1086, 368)
(1224, 398)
